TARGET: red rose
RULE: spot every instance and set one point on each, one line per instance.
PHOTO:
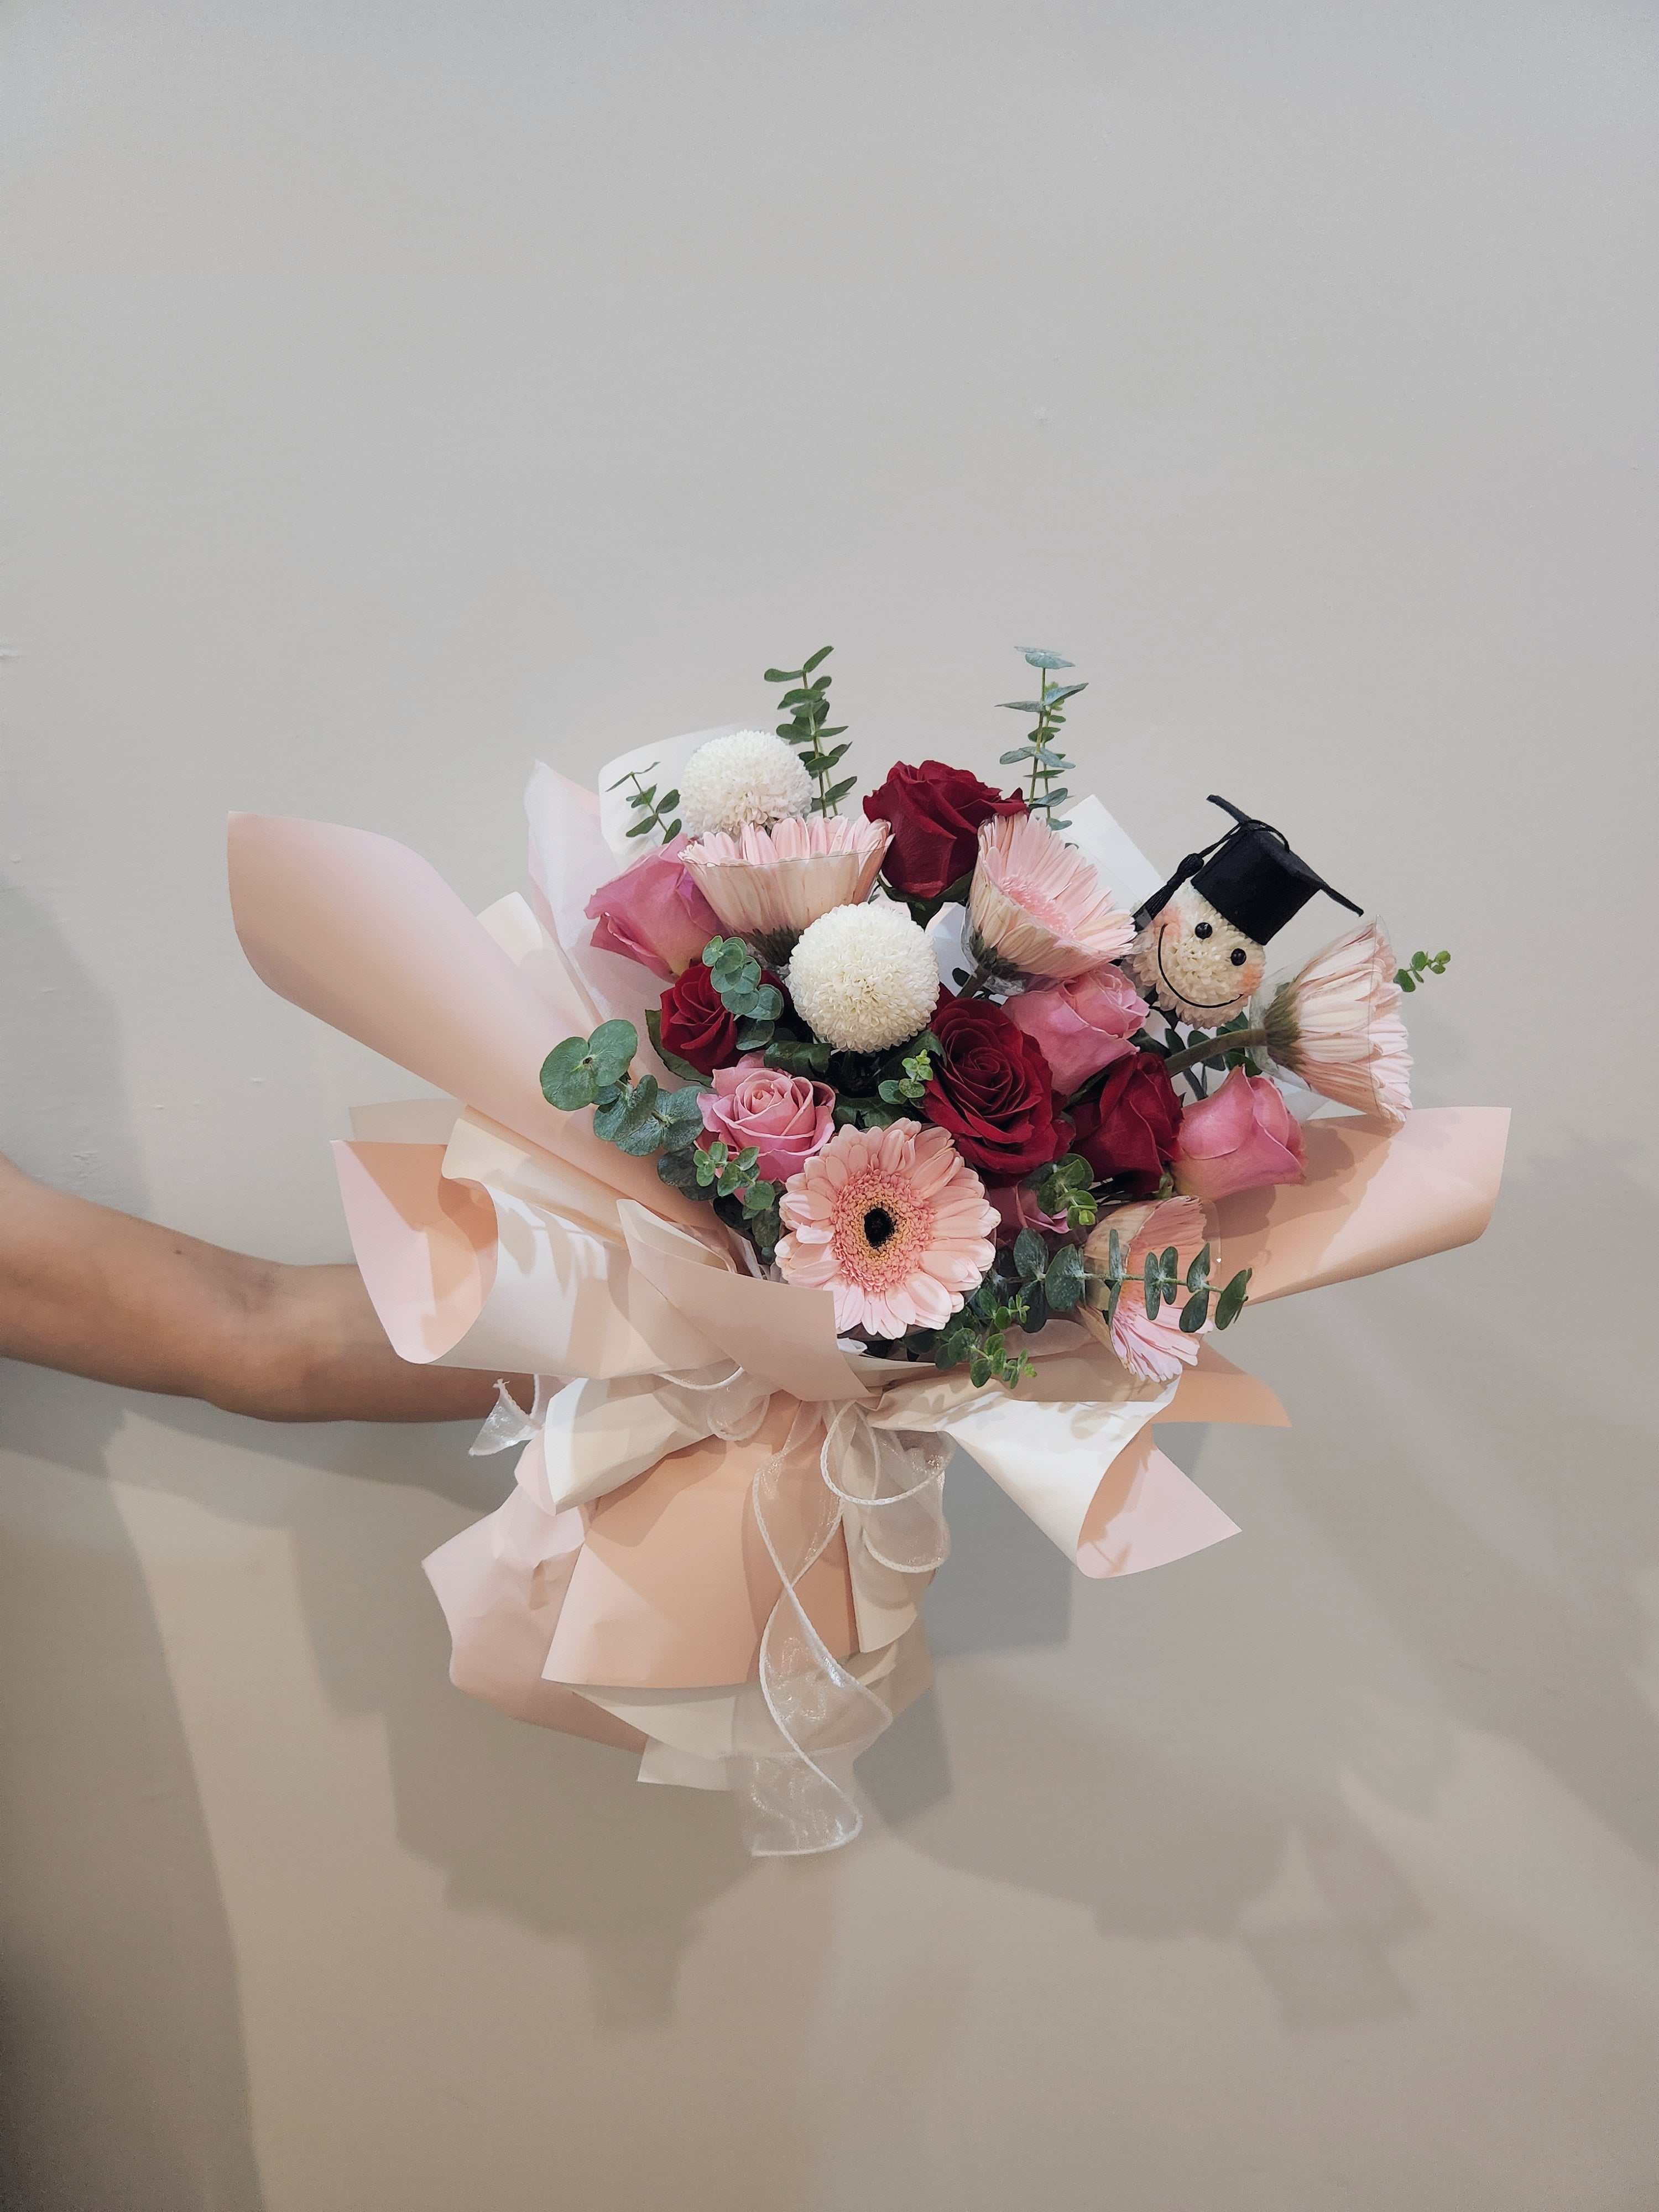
(992, 1090)
(1131, 1128)
(935, 813)
(696, 1026)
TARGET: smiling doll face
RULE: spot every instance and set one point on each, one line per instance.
(1194, 963)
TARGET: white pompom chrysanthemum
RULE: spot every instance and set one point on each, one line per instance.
(864, 977)
(747, 777)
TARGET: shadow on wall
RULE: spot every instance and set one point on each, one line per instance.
(1174, 1751)
(124, 2082)
(1446, 1540)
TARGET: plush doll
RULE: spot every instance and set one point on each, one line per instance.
(1200, 955)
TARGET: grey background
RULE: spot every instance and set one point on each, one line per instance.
(396, 393)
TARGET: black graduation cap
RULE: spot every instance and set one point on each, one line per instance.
(1249, 876)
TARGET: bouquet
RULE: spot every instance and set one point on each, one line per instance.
(810, 1143)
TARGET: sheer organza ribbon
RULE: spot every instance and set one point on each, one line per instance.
(794, 1743)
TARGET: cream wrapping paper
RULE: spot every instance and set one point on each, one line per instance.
(723, 1521)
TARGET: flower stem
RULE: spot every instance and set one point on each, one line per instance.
(1224, 1041)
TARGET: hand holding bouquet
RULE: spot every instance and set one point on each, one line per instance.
(857, 1137)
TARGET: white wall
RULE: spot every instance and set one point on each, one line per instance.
(398, 391)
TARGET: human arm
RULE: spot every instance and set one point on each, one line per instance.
(95, 1293)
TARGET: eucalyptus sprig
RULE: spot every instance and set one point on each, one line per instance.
(728, 1179)
(638, 1118)
(653, 808)
(736, 975)
(918, 1069)
(1056, 1280)
(808, 703)
(1066, 1186)
(1160, 1285)
(1045, 757)
(1423, 965)
(979, 1334)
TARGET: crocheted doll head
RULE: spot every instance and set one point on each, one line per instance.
(1194, 964)
(1200, 951)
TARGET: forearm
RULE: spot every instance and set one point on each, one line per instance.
(95, 1293)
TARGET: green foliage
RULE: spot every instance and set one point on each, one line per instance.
(726, 1172)
(728, 1180)
(1162, 1283)
(922, 910)
(1066, 1186)
(1231, 1302)
(855, 1110)
(1040, 758)
(799, 1055)
(1423, 964)
(582, 1071)
(655, 809)
(1063, 1285)
(808, 704)
(979, 1335)
(638, 1118)
(735, 974)
(916, 1073)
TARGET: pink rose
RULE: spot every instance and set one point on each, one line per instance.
(653, 913)
(1242, 1138)
(1081, 1025)
(786, 1118)
(1017, 1209)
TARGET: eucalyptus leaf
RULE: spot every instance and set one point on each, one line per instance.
(1231, 1301)
(567, 1080)
(1030, 1256)
(1063, 1285)
(1198, 1274)
(1194, 1314)
(1039, 658)
(681, 1109)
(677, 1168)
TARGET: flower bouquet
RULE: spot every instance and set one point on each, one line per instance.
(809, 1145)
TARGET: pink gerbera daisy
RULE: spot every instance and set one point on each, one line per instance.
(1155, 1350)
(769, 884)
(1336, 1024)
(1037, 906)
(892, 1222)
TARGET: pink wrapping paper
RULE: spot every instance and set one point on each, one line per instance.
(524, 1244)
(1373, 1199)
(366, 935)
(674, 1586)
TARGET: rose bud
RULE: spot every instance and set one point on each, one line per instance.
(1082, 1024)
(1244, 1138)
(655, 913)
(935, 813)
